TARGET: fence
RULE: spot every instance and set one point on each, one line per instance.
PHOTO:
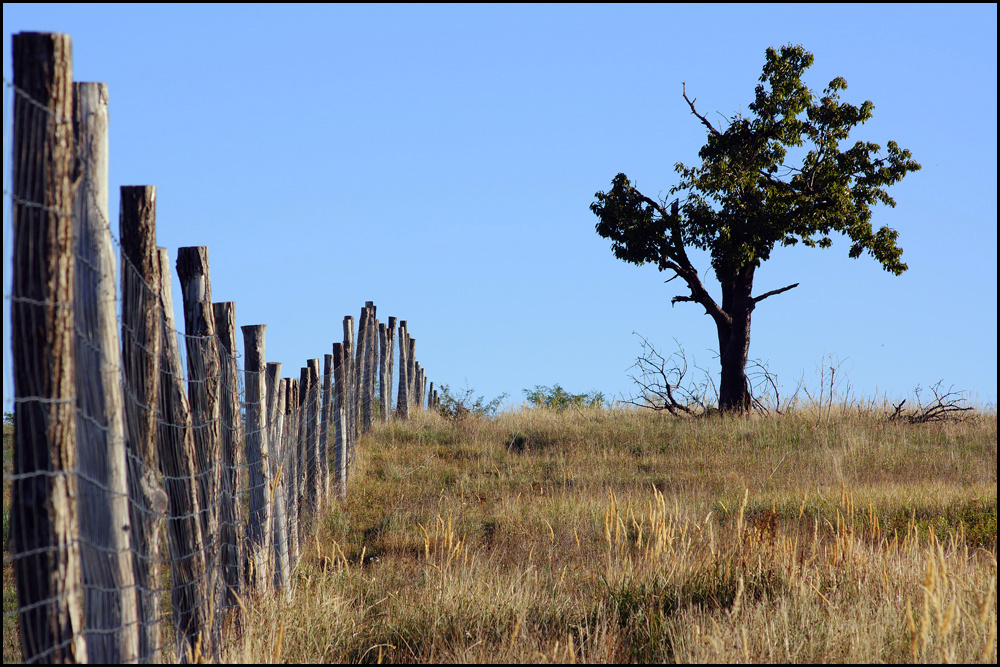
(129, 433)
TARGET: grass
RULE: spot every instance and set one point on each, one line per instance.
(598, 536)
(618, 535)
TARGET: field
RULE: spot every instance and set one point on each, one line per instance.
(604, 536)
(595, 535)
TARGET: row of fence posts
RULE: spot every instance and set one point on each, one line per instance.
(112, 444)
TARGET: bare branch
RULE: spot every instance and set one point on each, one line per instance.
(947, 406)
(773, 292)
(661, 381)
(700, 117)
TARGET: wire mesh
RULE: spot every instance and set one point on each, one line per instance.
(167, 467)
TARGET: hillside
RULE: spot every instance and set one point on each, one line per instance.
(601, 536)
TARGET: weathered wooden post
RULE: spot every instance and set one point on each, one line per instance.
(324, 438)
(423, 388)
(290, 446)
(142, 339)
(368, 381)
(44, 524)
(312, 441)
(418, 386)
(276, 397)
(204, 374)
(359, 372)
(108, 579)
(402, 400)
(302, 463)
(387, 340)
(340, 419)
(411, 373)
(259, 525)
(230, 518)
(349, 404)
(190, 587)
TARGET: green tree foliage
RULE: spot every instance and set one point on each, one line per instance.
(746, 196)
(557, 398)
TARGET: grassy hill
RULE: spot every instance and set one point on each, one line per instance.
(599, 536)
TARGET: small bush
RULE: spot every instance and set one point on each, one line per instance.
(459, 406)
(557, 398)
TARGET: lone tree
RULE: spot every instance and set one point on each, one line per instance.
(744, 198)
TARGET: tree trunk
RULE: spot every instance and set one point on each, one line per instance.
(734, 343)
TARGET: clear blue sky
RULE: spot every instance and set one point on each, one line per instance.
(440, 161)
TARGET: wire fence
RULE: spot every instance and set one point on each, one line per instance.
(144, 458)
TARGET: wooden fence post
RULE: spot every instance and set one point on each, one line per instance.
(340, 419)
(324, 437)
(402, 402)
(291, 439)
(349, 405)
(387, 339)
(230, 519)
(423, 388)
(368, 382)
(411, 373)
(44, 523)
(142, 338)
(312, 441)
(358, 373)
(302, 461)
(276, 397)
(204, 374)
(418, 386)
(190, 589)
(259, 526)
(108, 579)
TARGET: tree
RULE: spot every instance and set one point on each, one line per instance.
(744, 198)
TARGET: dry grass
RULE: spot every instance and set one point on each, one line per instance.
(599, 536)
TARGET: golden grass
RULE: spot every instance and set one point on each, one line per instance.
(599, 536)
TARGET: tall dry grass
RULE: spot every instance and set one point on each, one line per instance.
(617, 535)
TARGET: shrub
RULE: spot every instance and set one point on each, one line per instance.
(557, 398)
(461, 405)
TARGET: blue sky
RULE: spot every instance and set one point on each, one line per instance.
(440, 161)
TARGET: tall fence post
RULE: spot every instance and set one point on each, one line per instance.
(312, 441)
(105, 549)
(141, 343)
(176, 447)
(411, 373)
(387, 340)
(402, 400)
(44, 522)
(230, 518)
(291, 440)
(340, 420)
(204, 374)
(259, 526)
(418, 385)
(349, 403)
(276, 396)
(368, 381)
(323, 483)
(359, 372)
(302, 461)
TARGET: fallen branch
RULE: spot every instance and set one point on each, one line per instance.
(947, 406)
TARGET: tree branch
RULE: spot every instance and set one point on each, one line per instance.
(773, 292)
(700, 117)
